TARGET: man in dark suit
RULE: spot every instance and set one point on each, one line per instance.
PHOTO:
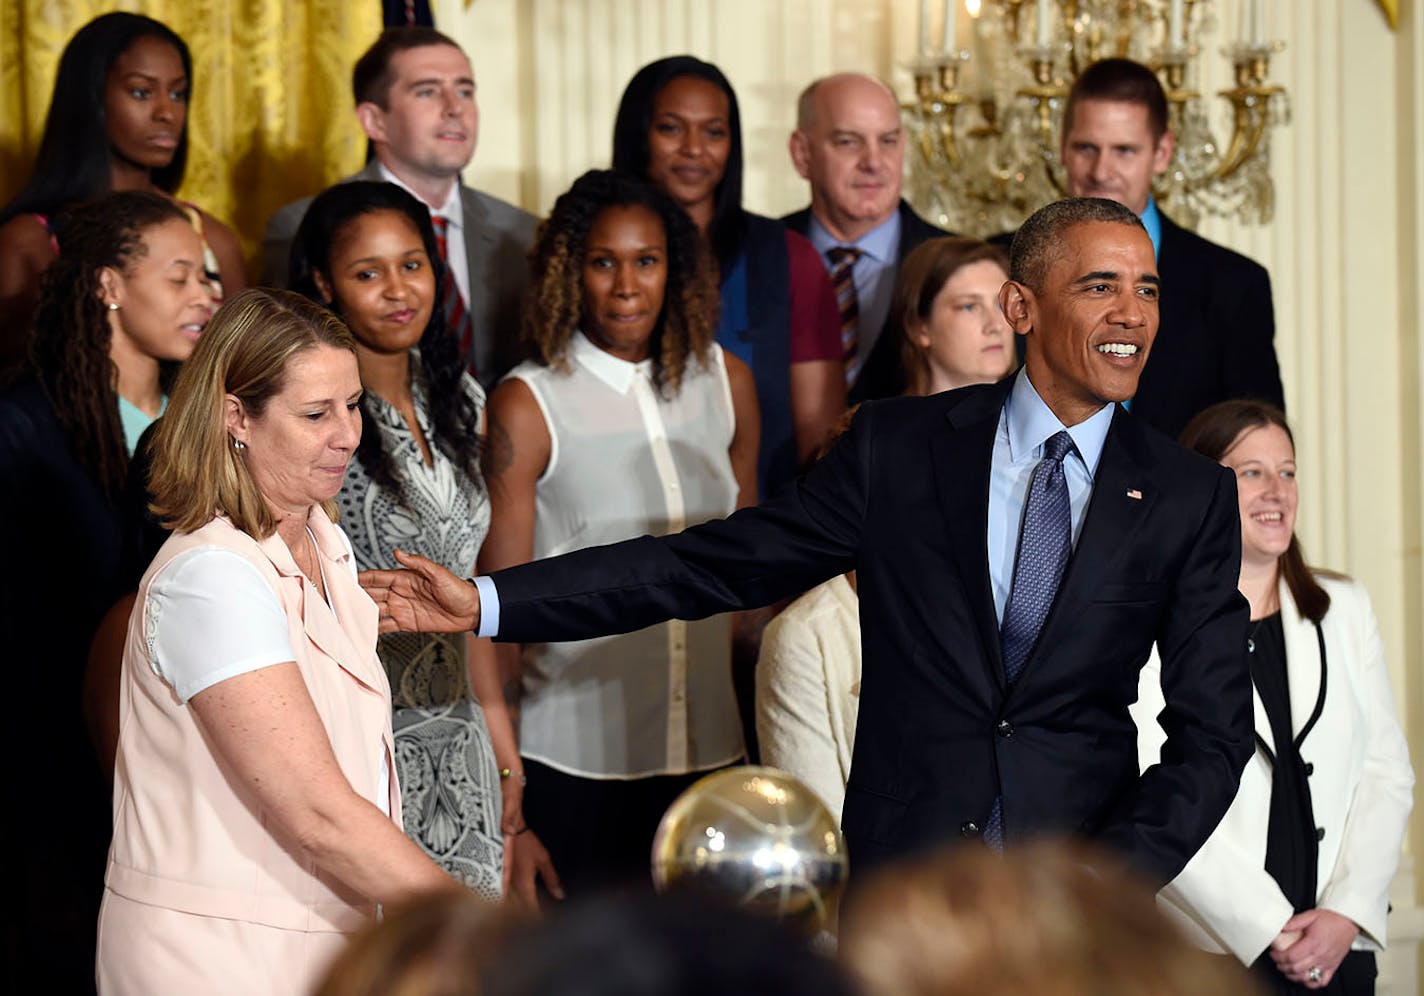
(1019, 548)
(850, 145)
(415, 99)
(1217, 321)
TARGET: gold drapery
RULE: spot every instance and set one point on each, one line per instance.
(271, 118)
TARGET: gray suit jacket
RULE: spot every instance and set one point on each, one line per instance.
(497, 240)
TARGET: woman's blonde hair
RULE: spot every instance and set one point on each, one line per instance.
(197, 471)
(1043, 919)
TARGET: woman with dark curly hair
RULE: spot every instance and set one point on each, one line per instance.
(630, 419)
(118, 120)
(368, 251)
(679, 126)
(120, 307)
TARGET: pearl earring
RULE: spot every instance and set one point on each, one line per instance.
(113, 306)
(239, 445)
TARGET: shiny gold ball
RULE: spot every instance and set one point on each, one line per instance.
(759, 839)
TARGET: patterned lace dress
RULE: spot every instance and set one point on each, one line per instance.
(448, 778)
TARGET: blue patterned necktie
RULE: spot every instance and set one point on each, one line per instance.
(1045, 541)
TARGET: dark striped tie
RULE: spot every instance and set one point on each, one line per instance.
(1045, 542)
(843, 279)
(457, 316)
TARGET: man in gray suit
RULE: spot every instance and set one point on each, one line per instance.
(415, 99)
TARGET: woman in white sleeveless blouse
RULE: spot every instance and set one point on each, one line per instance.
(368, 251)
(629, 420)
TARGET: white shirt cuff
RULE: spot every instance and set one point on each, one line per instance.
(489, 607)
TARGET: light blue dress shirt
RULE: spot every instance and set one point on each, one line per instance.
(1024, 426)
(1152, 221)
(874, 274)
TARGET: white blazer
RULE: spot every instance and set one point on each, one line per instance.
(1360, 787)
(808, 689)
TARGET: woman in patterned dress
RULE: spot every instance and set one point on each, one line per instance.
(368, 251)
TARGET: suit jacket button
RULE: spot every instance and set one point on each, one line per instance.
(1005, 729)
(970, 829)
(1309, 768)
(1319, 833)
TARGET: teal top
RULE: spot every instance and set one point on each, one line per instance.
(135, 421)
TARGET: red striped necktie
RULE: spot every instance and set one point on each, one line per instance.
(843, 259)
(457, 316)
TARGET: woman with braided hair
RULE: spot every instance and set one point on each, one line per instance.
(120, 307)
(629, 419)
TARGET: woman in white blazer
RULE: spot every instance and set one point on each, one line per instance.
(1294, 882)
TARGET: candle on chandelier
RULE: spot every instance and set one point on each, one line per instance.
(1176, 37)
(1258, 22)
(1045, 25)
(924, 26)
(949, 31)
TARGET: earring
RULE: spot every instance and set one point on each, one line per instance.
(113, 306)
(239, 445)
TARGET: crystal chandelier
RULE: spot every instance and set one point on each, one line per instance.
(985, 121)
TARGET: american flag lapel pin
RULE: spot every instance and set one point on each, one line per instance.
(1134, 494)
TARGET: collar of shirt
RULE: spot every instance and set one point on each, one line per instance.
(1031, 422)
(1152, 221)
(451, 211)
(880, 243)
(616, 373)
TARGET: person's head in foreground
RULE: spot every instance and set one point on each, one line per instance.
(439, 945)
(1045, 919)
(624, 946)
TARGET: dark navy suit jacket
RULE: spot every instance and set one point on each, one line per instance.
(903, 500)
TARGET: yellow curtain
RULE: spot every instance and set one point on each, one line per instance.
(271, 118)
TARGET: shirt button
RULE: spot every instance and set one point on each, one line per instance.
(1319, 833)
(1005, 729)
(970, 829)
(1309, 768)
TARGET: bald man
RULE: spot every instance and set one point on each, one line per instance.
(850, 145)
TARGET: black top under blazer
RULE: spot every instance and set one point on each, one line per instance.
(903, 500)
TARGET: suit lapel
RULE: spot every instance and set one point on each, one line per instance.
(962, 459)
(339, 629)
(1303, 670)
(1123, 494)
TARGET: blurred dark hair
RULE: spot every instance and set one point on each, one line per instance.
(1122, 81)
(634, 946)
(73, 161)
(441, 944)
(630, 144)
(453, 416)
(1212, 433)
